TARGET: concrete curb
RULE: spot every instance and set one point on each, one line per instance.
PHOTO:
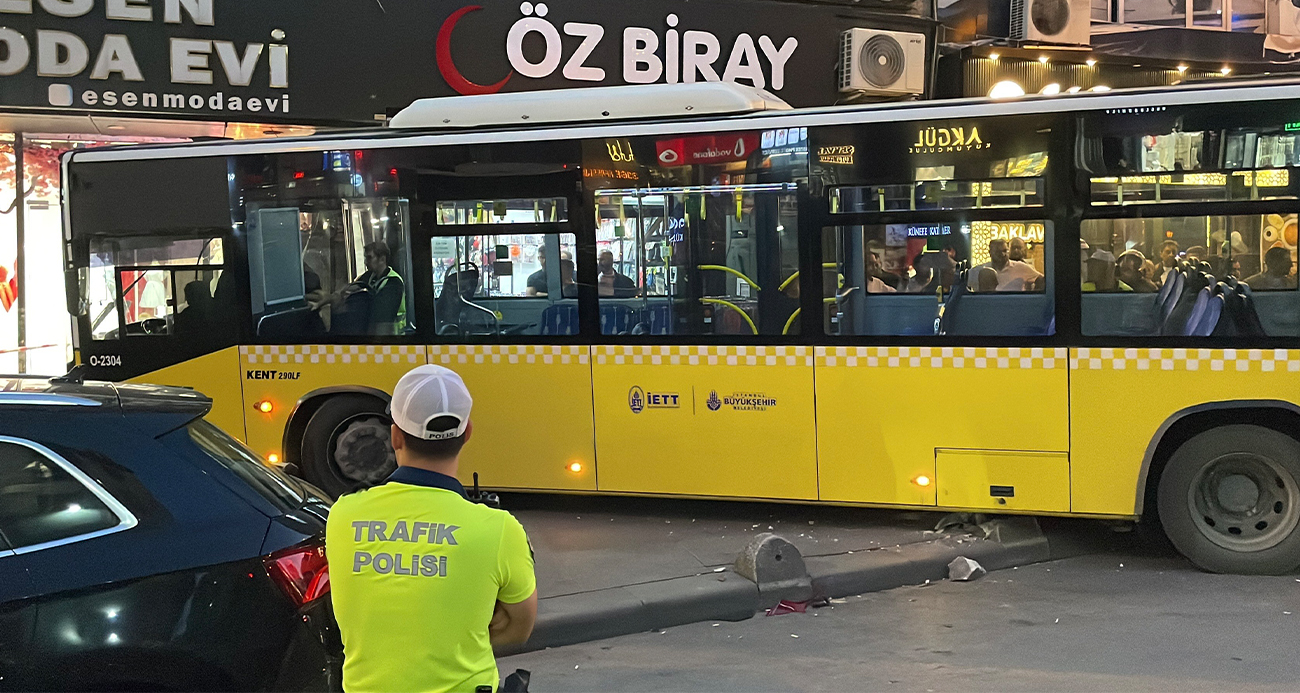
(726, 596)
(606, 613)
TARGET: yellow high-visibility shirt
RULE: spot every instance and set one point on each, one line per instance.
(416, 570)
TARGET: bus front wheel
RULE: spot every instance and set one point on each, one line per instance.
(346, 445)
(1229, 500)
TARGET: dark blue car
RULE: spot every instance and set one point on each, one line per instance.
(143, 549)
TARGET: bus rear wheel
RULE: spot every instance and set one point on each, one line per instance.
(1229, 500)
(346, 445)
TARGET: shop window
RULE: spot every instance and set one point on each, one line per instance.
(538, 210)
(1131, 274)
(141, 286)
(908, 279)
(718, 260)
(41, 502)
(497, 285)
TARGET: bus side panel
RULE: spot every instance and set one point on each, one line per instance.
(283, 375)
(532, 415)
(713, 421)
(215, 375)
(1119, 398)
(883, 411)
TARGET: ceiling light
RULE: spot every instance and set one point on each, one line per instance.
(1051, 89)
(1042, 59)
(1100, 87)
(1091, 62)
(1073, 90)
(1182, 69)
(994, 56)
(1006, 89)
(1226, 70)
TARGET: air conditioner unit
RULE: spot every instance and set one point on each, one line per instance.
(1282, 17)
(1057, 21)
(887, 63)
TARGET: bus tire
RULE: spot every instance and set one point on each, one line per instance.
(1229, 500)
(346, 445)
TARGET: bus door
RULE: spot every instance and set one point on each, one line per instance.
(704, 392)
(943, 383)
(511, 306)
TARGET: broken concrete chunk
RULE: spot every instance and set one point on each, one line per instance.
(963, 569)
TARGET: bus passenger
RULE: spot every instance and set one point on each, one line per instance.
(874, 283)
(1130, 270)
(1168, 260)
(610, 281)
(537, 281)
(386, 314)
(1013, 275)
(1277, 271)
(1101, 274)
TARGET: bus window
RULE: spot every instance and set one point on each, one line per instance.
(146, 285)
(680, 261)
(328, 253)
(510, 211)
(899, 279)
(495, 285)
(942, 194)
(1137, 263)
(697, 235)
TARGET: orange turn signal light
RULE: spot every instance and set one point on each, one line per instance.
(922, 480)
(575, 467)
(264, 406)
(273, 458)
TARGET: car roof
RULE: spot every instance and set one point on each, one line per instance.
(31, 391)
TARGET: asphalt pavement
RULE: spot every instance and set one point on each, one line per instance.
(1123, 616)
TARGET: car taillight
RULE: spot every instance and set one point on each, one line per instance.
(301, 571)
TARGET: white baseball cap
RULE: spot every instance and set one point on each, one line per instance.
(431, 402)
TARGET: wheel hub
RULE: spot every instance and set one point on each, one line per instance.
(362, 452)
(1244, 502)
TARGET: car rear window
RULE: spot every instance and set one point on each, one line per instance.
(276, 486)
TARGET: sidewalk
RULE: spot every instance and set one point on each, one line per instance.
(587, 543)
(613, 566)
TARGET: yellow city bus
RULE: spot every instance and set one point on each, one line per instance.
(1080, 305)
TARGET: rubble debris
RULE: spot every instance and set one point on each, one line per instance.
(963, 569)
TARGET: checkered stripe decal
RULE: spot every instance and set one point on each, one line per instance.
(335, 353)
(450, 354)
(705, 355)
(1235, 360)
(941, 357)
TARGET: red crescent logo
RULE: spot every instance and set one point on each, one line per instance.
(447, 67)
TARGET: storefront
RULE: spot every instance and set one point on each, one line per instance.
(78, 73)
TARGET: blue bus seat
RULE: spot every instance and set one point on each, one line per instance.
(560, 319)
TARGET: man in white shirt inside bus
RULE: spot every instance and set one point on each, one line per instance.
(1013, 275)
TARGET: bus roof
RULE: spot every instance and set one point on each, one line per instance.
(629, 102)
(1181, 95)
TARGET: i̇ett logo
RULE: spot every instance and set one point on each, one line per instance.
(714, 402)
(639, 400)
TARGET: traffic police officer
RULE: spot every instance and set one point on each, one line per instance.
(425, 583)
